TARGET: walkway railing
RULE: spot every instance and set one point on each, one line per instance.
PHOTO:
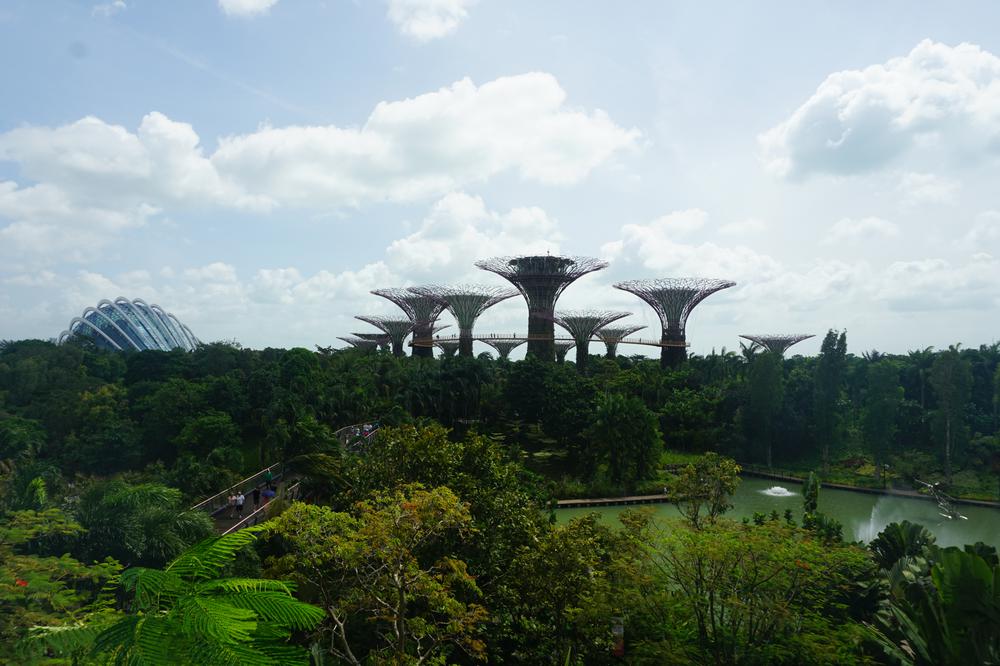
(220, 500)
(487, 337)
(260, 515)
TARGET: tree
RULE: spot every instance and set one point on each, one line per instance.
(706, 484)
(385, 583)
(628, 436)
(37, 588)
(764, 400)
(188, 613)
(766, 594)
(146, 524)
(943, 608)
(951, 380)
(828, 393)
(881, 407)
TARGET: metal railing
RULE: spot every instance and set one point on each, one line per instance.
(220, 500)
(260, 515)
(486, 337)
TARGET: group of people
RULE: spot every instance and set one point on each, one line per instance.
(237, 500)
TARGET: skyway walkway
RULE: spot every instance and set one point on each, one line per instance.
(353, 438)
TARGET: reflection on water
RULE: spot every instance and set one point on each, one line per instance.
(863, 515)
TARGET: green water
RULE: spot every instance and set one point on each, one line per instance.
(862, 515)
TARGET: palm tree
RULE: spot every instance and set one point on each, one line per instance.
(186, 614)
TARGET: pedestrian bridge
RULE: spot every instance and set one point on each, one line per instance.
(353, 438)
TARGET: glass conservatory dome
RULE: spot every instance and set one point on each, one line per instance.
(125, 325)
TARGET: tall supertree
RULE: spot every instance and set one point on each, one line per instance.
(673, 299)
(541, 279)
(776, 343)
(560, 347)
(422, 310)
(448, 347)
(466, 302)
(612, 335)
(360, 343)
(582, 325)
(504, 346)
(396, 329)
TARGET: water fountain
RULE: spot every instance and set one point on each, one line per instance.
(778, 491)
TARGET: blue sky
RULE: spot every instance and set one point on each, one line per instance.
(257, 166)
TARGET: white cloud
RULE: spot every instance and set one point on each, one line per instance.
(460, 229)
(748, 227)
(108, 8)
(937, 284)
(424, 20)
(246, 8)
(47, 222)
(95, 179)
(429, 145)
(866, 228)
(937, 97)
(984, 233)
(927, 188)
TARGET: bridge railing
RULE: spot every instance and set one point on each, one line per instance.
(220, 501)
(260, 515)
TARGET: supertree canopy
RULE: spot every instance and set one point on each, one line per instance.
(560, 347)
(397, 329)
(125, 325)
(541, 279)
(504, 346)
(380, 339)
(466, 302)
(582, 325)
(776, 343)
(422, 310)
(360, 343)
(673, 299)
(612, 335)
(449, 347)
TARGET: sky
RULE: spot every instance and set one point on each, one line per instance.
(256, 167)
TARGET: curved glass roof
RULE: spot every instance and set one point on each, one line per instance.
(125, 325)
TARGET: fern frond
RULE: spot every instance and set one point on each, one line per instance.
(65, 640)
(285, 654)
(245, 585)
(215, 618)
(117, 638)
(278, 607)
(150, 585)
(207, 558)
(225, 654)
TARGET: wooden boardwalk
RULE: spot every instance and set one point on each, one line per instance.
(611, 501)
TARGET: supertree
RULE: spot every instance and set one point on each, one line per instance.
(776, 343)
(448, 347)
(360, 343)
(612, 335)
(541, 279)
(560, 347)
(504, 346)
(396, 329)
(422, 310)
(466, 302)
(673, 299)
(582, 325)
(381, 339)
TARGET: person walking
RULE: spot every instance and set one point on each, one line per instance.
(240, 499)
(232, 504)
(268, 477)
(256, 497)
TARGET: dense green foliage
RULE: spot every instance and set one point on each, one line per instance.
(435, 543)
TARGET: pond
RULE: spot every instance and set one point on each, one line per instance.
(863, 515)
